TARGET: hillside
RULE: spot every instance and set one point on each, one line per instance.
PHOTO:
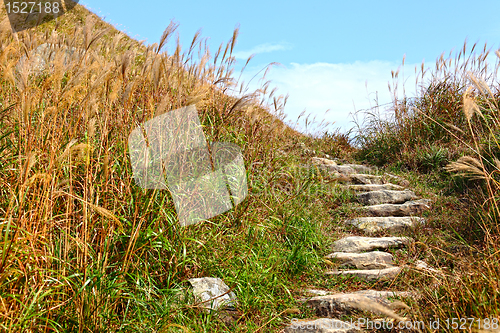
(85, 248)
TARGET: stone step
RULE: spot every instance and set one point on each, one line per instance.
(364, 244)
(409, 208)
(370, 275)
(385, 197)
(389, 223)
(359, 168)
(361, 179)
(325, 163)
(346, 303)
(367, 260)
(396, 179)
(376, 187)
(322, 325)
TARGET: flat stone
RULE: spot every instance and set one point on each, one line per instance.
(390, 223)
(345, 169)
(408, 208)
(370, 275)
(364, 244)
(345, 303)
(208, 290)
(359, 168)
(317, 292)
(385, 196)
(359, 178)
(397, 179)
(324, 163)
(367, 260)
(376, 187)
(321, 325)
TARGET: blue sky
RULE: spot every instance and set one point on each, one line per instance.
(335, 54)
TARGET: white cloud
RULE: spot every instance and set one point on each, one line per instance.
(338, 87)
(262, 48)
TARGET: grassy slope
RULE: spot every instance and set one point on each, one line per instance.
(83, 248)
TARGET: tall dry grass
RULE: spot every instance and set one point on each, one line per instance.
(451, 130)
(75, 231)
(419, 126)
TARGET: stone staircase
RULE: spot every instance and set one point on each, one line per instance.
(387, 208)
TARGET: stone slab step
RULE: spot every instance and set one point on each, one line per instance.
(325, 163)
(388, 223)
(367, 260)
(376, 187)
(385, 197)
(364, 244)
(318, 292)
(346, 303)
(361, 179)
(359, 168)
(408, 208)
(322, 325)
(332, 166)
(370, 275)
(396, 179)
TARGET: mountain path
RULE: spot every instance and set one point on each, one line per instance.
(386, 207)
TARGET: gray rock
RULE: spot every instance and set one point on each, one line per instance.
(376, 187)
(43, 57)
(370, 275)
(396, 179)
(360, 168)
(343, 169)
(321, 325)
(382, 294)
(317, 292)
(332, 166)
(323, 161)
(363, 244)
(358, 178)
(385, 196)
(416, 207)
(213, 292)
(367, 260)
(345, 303)
(390, 224)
